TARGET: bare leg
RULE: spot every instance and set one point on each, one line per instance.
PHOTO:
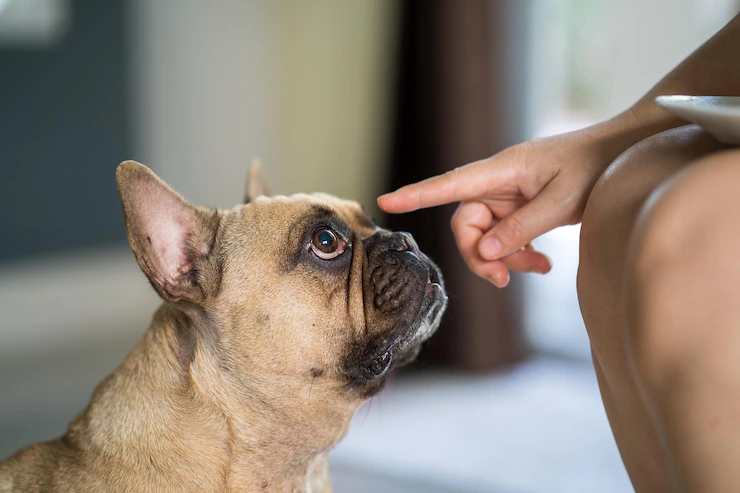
(683, 314)
(608, 224)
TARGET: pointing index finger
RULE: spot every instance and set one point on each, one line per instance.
(463, 183)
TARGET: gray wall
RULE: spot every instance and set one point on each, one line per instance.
(64, 126)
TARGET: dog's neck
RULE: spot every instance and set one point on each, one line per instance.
(172, 408)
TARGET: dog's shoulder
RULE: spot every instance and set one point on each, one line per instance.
(33, 469)
(28, 470)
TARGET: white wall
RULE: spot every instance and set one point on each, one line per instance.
(202, 93)
(617, 49)
(304, 85)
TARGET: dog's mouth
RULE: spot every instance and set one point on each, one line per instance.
(434, 275)
(404, 301)
(407, 343)
(378, 366)
(430, 313)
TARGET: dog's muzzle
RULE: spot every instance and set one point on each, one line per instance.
(407, 301)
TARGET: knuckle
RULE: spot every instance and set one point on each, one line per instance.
(478, 270)
(458, 235)
(523, 148)
(514, 231)
(454, 223)
(522, 151)
(452, 175)
(454, 179)
(456, 219)
(454, 172)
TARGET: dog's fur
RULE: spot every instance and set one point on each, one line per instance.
(255, 363)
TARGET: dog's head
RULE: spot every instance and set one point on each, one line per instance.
(290, 291)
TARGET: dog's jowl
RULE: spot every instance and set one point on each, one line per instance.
(280, 317)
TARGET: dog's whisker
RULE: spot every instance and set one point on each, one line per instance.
(367, 412)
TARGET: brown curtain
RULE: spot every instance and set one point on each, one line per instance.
(453, 105)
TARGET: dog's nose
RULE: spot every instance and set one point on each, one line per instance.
(386, 241)
(402, 241)
(410, 242)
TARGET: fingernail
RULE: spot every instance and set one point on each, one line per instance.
(502, 281)
(490, 248)
(507, 279)
(382, 198)
(549, 266)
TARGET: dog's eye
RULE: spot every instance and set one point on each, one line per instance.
(326, 244)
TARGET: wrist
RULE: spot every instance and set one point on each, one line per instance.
(648, 117)
(616, 135)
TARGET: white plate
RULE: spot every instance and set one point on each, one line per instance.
(718, 115)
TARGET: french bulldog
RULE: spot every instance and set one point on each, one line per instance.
(280, 317)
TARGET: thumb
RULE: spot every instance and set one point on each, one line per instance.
(525, 224)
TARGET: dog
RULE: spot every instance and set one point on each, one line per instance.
(280, 317)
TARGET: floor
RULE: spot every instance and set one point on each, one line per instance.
(539, 428)
(351, 480)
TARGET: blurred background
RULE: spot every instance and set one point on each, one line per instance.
(348, 97)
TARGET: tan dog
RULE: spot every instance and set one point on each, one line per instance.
(280, 318)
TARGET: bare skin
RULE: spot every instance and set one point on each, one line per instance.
(607, 234)
(658, 223)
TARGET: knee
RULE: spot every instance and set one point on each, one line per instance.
(680, 268)
(610, 213)
(605, 221)
(621, 192)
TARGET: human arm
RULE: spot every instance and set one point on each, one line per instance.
(528, 189)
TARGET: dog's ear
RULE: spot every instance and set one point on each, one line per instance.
(256, 182)
(171, 239)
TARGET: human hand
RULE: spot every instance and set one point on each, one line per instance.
(515, 196)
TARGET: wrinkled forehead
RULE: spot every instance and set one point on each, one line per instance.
(301, 211)
(349, 211)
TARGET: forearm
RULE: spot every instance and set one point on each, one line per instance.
(712, 70)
